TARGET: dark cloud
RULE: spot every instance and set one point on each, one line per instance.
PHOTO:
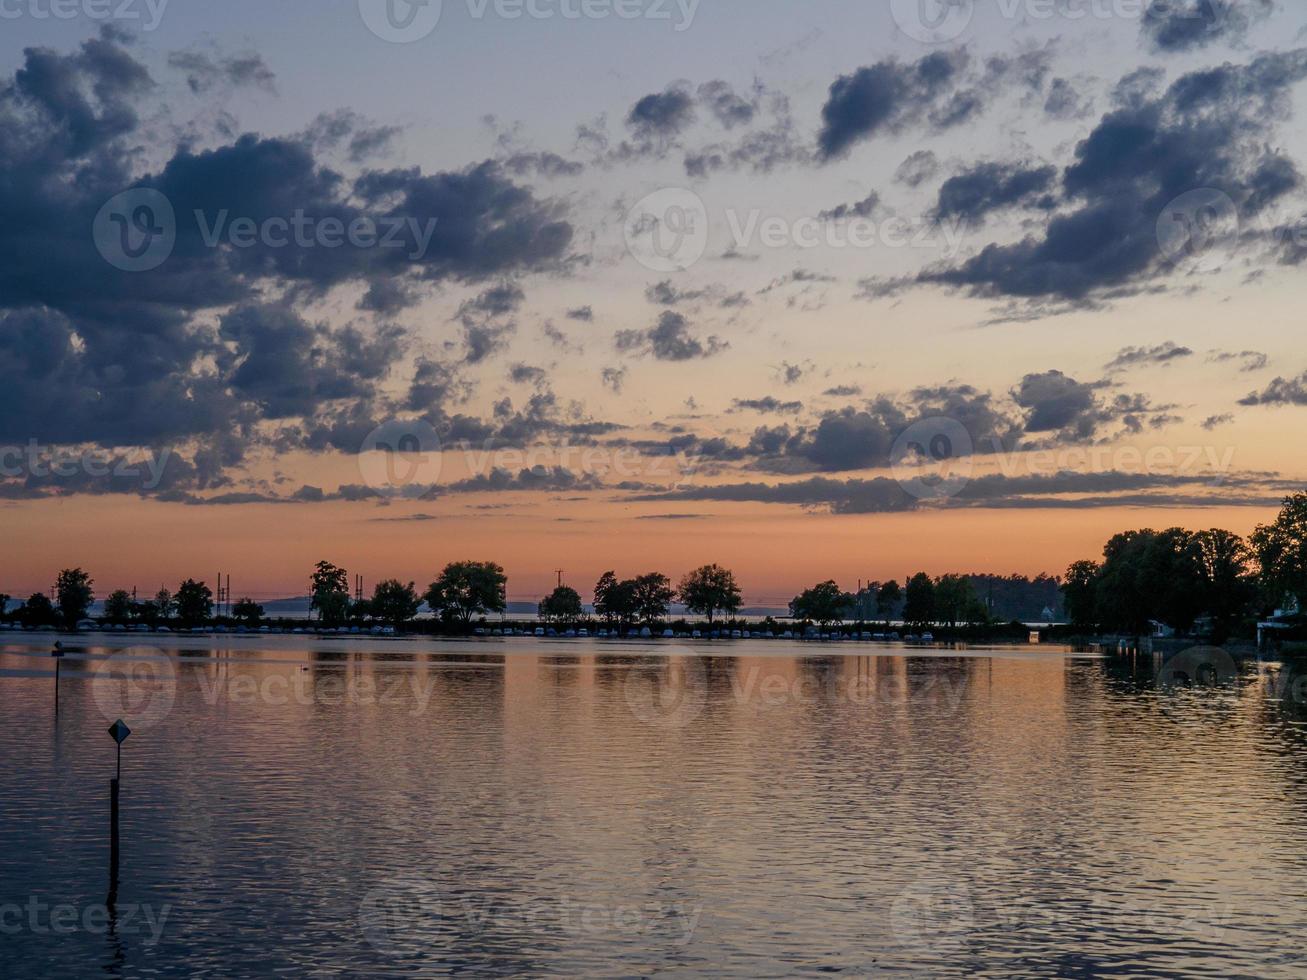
(499, 300)
(1210, 129)
(543, 164)
(859, 209)
(890, 95)
(768, 404)
(204, 71)
(583, 313)
(526, 374)
(614, 379)
(1251, 360)
(665, 294)
(1281, 391)
(1182, 25)
(762, 149)
(1065, 101)
(996, 491)
(661, 116)
(362, 141)
(669, 340)
(1057, 403)
(729, 108)
(920, 167)
(1216, 421)
(985, 188)
(1163, 353)
(843, 391)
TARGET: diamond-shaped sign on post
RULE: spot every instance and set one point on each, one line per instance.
(119, 731)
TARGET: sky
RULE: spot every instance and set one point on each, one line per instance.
(810, 289)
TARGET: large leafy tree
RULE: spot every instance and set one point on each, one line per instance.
(919, 601)
(394, 602)
(330, 590)
(1281, 552)
(615, 600)
(956, 601)
(1124, 591)
(823, 604)
(653, 593)
(73, 595)
(710, 589)
(1080, 592)
(118, 607)
(248, 610)
(563, 605)
(37, 611)
(466, 589)
(1228, 588)
(888, 599)
(194, 601)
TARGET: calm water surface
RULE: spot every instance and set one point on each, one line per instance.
(523, 807)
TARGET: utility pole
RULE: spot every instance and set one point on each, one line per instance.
(559, 573)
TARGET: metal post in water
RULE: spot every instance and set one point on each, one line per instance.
(118, 731)
(58, 654)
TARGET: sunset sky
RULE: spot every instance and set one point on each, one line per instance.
(704, 282)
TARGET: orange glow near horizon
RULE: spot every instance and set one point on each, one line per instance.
(269, 550)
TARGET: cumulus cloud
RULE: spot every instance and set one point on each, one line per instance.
(1210, 129)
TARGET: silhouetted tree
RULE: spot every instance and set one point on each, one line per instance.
(330, 591)
(1228, 588)
(919, 601)
(653, 593)
(194, 603)
(615, 600)
(118, 607)
(73, 595)
(1281, 552)
(823, 604)
(164, 603)
(1080, 594)
(38, 610)
(956, 601)
(248, 610)
(466, 589)
(563, 605)
(888, 599)
(394, 602)
(706, 590)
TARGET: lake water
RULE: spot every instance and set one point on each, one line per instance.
(583, 808)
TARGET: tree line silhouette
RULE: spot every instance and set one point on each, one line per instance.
(1213, 581)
